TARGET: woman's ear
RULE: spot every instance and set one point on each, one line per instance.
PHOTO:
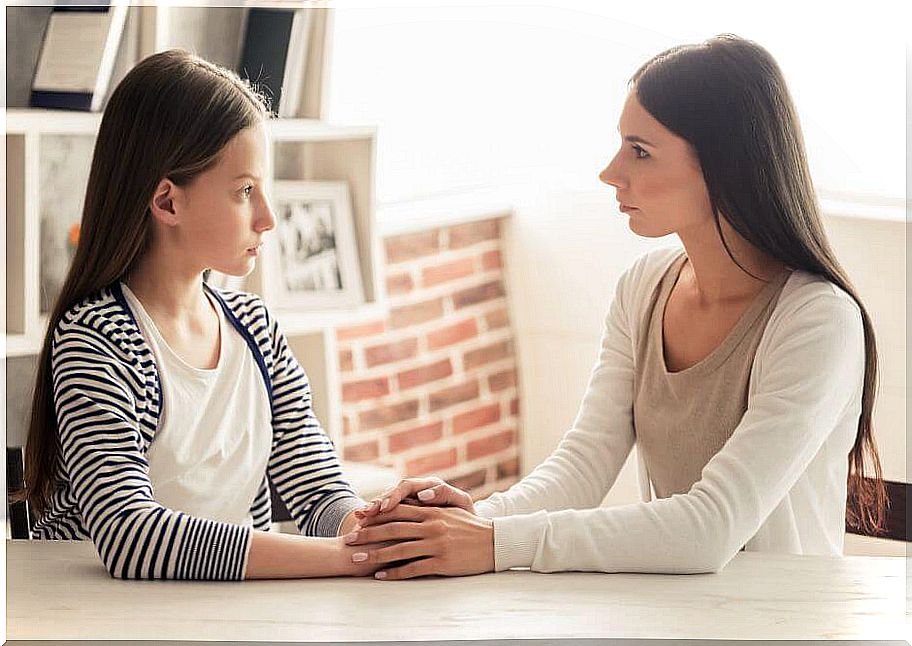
(163, 206)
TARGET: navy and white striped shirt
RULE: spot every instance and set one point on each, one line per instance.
(107, 397)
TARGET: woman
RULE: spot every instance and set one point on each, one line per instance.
(743, 366)
(162, 404)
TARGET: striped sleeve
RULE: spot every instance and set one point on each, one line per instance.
(303, 466)
(101, 449)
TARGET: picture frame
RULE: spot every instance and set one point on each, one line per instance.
(78, 54)
(311, 260)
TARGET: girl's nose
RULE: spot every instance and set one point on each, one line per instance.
(267, 220)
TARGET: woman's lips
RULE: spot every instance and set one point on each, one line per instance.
(624, 208)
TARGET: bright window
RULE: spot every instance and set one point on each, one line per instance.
(474, 96)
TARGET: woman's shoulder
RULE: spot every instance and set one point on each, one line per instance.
(809, 301)
(806, 291)
(646, 270)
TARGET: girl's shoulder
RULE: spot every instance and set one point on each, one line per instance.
(248, 309)
(101, 323)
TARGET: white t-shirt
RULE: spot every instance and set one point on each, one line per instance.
(209, 454)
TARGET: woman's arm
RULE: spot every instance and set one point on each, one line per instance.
(811, 378)
(579, 473)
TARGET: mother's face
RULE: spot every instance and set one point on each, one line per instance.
(657, 175)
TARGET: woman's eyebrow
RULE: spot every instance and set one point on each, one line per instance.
(249, 175)
(636, 139)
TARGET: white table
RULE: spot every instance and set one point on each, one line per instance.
(59, 590)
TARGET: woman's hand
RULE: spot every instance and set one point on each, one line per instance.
(418, 491)
(445, 540)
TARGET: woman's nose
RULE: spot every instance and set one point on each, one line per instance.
(611, 176)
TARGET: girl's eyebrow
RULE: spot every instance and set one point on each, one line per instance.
(243, 175)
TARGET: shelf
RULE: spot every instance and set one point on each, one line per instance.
(20, 345)
(42, 122)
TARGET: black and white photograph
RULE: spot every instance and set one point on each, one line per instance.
(315, 260)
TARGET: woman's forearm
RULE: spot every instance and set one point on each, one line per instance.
(288, 556)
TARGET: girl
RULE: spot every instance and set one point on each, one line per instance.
(162, 404)
(742, 365)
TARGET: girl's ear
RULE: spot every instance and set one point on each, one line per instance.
(163, 203)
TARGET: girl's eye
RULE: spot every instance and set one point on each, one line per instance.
(639, 152)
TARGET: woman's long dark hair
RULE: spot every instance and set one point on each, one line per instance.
(728, 99)
(170, 117)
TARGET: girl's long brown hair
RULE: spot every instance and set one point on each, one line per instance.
(728, 98)
(170, 117)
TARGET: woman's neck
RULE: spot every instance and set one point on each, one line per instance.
(715, 279)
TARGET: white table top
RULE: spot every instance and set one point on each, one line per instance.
(59, 590)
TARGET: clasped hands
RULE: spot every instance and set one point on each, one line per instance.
(422, 526)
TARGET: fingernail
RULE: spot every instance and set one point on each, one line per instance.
(384, 504)
(351, 538)
(427, 494)
(380, 575)
(358, 557)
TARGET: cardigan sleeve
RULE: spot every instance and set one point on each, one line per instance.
(810, 379)
(303, 464)
(581, 471)
(102, 454)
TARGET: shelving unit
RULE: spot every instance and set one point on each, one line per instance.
(303, 149)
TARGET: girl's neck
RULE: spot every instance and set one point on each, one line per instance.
(166, 290)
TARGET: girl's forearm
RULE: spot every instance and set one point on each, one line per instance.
(287, 556)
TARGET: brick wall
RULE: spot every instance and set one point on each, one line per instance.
(431, 389)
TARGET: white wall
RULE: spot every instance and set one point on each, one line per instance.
(565, 251)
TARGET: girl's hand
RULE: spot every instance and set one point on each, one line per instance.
(445, 540)
(346, 566)
(417, 491)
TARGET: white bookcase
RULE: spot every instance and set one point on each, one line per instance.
(303, 149)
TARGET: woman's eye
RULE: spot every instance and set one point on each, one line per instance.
(248, 190)
(639, 152)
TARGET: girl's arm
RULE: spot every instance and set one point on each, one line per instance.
(285, 556)
(303, 464)
(101, 448)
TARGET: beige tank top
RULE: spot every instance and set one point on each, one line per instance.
(683, 418)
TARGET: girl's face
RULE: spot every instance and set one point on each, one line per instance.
(225, 211)
(657, 175)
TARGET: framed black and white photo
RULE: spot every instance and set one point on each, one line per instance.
(312, 259)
